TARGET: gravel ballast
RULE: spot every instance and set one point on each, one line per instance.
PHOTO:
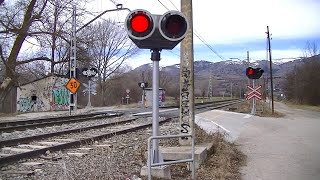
(118, 157)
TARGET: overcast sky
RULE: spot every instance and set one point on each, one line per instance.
(232, 27)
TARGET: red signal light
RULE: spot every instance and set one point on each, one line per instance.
(140, 23)
(250, 71)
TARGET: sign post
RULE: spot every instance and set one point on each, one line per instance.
(253, 94)
(143, 85)
(89, 73)
(91, 89)
(128, 96)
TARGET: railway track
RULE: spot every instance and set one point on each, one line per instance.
(19, 125)
(31, 146)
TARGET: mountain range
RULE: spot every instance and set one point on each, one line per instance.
(225, 72)
(228, 69)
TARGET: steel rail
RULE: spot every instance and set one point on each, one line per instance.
(16, 141)
(76, 143)
(36, 123)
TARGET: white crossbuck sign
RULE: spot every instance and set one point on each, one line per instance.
(91, 89)
(254, 92)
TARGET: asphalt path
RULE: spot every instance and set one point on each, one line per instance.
(286, 148)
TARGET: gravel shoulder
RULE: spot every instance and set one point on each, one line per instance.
(282, 148)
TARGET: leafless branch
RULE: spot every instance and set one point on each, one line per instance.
(32, 60)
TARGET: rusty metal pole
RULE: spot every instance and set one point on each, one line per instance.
(187, 77)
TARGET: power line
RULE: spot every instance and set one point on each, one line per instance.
(208, 45)
(197, 34)
(163, 5)
(173, 5)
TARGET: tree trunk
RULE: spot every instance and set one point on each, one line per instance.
(11, 62)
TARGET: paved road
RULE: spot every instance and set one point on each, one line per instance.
(285, 148)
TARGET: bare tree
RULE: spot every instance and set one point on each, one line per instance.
(15, 23)
(108, 46)
(311, 49)
(24, 21)
(301, 84)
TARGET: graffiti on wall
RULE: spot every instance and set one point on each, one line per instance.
(162, 98)
(60, 98)
(60, 95)
(29, 105)
(25, 105)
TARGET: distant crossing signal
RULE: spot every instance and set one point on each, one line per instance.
(254, 73)
(149, 31)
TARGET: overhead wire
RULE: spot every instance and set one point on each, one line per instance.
(163, 5)
(173, 5)
(197, 34)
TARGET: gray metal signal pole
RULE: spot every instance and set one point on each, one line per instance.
(187, 77)
(155, 57)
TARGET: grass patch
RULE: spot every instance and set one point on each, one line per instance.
(262, 109)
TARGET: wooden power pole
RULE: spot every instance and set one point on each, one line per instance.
(271, 79)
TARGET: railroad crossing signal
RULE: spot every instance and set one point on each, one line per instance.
(150, 31)
(254, 73)
(73, 85)
(254, 93)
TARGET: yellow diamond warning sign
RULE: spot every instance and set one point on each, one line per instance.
(73, 85)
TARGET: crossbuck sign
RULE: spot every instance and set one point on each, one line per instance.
(254, 92)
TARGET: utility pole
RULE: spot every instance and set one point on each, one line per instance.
(187, 77)
(248, 61)
(231, 90)
(73, 62)
(271, 79)
(210, 86)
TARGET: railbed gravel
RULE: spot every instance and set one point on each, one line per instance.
(122, 159)
(56, 128)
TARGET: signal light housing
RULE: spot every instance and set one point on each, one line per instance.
(254, 73)
(149, 31)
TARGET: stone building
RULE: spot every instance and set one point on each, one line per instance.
(46, 94)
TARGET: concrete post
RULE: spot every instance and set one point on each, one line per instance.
(187, 77)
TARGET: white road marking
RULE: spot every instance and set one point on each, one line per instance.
(247, 116)
(218, 125)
